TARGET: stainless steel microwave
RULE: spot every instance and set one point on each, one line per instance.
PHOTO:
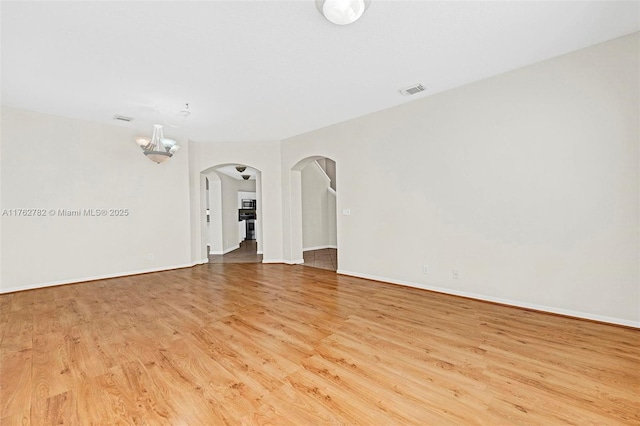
(249, 204)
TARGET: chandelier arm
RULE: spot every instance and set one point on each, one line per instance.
(154, 139)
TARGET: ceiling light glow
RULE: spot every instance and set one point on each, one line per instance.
(342, 12)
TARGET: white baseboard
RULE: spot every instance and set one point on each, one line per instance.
(100, 277)
(542, 308)
(319, 248)
(230, 249)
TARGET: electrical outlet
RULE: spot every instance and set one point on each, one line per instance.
(346, 212)
(456, 274)
(425, 269)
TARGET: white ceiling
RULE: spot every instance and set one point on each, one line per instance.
(232, 172)
(268, 70)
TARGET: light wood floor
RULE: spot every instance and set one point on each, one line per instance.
(277, 344)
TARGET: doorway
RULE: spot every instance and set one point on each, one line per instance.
(314, 199)
(232, 214)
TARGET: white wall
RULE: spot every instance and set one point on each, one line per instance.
(527, 183)
(1, 204)
(214, 229)
(247, 185)
(263, 156)
(229, 212)
(332, 230)
(53, 163)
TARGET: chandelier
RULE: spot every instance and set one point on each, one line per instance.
(158, 148)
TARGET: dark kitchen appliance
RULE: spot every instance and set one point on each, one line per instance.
(249, 204)
(251, 229)
(249, 216)
(246, 214)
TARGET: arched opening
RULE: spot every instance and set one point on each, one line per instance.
(314, 240)
(231, 218)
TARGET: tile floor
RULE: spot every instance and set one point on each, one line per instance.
(323, 259)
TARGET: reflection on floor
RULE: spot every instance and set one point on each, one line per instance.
(323, 259)
(245, 254)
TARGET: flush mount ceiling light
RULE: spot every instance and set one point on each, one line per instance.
(342, 12)
(246, 177)
(158, 148)
(241, 168)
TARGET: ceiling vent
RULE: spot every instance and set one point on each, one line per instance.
(412, 90)
(122, 118)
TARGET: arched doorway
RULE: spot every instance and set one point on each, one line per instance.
(232, 218)
(314, 212)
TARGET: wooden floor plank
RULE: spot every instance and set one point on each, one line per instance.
(19, 419)
(18, 331)
(15, 382)
(56, 410)
(276, 344)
